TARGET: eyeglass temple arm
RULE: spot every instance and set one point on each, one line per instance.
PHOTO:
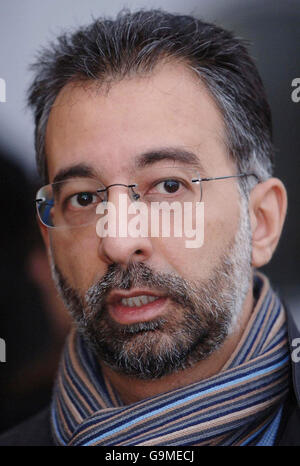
(240, 175)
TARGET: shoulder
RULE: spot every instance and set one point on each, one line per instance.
(35, 431)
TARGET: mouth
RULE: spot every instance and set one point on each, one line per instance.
(135, 306)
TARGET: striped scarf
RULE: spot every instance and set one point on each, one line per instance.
(241, 405)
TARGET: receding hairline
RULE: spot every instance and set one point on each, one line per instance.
(98, 86)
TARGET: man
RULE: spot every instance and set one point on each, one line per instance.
(173, 345)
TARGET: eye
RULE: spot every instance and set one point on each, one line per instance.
(83, 199)
(168, 186)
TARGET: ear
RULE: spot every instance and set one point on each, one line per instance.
(267, 208)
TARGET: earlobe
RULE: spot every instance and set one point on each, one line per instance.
(267, 206)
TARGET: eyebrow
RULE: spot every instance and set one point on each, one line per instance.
(141, 161)
(176, 155)
(80, 170)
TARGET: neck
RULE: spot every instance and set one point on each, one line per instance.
(131, 389)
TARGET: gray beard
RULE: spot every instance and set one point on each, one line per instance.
(201, 315)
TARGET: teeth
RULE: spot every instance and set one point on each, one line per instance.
(138, 300)
(152, 298)
(144, 299)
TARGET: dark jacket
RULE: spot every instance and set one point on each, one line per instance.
(37, 430)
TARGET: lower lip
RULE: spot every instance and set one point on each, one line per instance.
(129, 315)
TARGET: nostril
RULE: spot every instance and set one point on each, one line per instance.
(138, 251)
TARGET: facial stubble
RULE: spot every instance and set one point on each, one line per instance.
(200, 313)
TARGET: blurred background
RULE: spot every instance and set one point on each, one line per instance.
(33, 322)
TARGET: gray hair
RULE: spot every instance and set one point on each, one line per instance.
(134, 43)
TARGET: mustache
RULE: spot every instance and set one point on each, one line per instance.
(140, 275)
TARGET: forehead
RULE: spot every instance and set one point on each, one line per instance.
(108, 126)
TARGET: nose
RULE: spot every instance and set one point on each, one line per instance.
(122, 247)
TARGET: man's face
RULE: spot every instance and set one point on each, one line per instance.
(108, 130)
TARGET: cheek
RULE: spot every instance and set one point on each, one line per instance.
(219, 229)
(172, 256)
(75, 253)
(221, 226)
